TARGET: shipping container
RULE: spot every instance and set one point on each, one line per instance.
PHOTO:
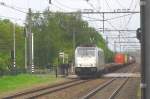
(119, 58)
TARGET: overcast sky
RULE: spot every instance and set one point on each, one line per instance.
(127, 22)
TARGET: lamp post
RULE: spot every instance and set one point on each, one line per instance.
(14, 46)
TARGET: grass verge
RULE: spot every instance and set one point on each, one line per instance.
(139, 93)
(22, 81)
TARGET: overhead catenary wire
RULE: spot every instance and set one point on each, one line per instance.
(99, 3)
(129, 18)
(108, 20)
(92, 6)
(131, 14)
(108, 4)
(58, 7)
(119, 16)
(120, 4)
(104, 18)
(12, 7)
(131, 4)
(54, 5)
(65, 6)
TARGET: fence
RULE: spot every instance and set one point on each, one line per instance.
(17, 71)
(62, 69)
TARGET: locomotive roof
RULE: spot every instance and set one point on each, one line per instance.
(91, 47)
(87, 45)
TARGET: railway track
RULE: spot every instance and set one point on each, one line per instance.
(117, 82)
(118, 89)
(94, 91)
(106, 84)
(50, 90)
(45, 90)
(114, 91)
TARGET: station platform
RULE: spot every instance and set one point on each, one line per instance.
(121, 75)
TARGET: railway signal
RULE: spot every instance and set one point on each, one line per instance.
(139, 34)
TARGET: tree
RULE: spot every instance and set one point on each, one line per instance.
(6, 46)
(53, 32)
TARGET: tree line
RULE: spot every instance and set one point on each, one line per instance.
(53, 32)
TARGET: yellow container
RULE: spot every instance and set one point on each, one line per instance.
(126, 58)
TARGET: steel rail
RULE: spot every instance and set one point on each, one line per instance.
(118, 89)
(55, 90)
(37, 90)
(101, 87)
(93, 92)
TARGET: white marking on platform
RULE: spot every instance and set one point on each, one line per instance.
(72, 76)
(122, 75)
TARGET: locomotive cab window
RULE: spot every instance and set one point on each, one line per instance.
(86, 52)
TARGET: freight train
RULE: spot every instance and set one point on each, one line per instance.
(89, 61)
(121, 58)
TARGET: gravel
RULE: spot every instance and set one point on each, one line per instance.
(130, 90)
(107, 91)
(75, 92)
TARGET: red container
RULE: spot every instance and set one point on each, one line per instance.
(119, 58)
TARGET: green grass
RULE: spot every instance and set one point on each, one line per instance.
(139, 93)
(9, 83)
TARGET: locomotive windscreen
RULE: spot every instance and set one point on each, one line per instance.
(86, 51)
